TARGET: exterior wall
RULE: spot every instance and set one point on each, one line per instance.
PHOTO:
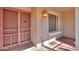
(59, 32)
(39, 25)
(39, 31)
(68, 20)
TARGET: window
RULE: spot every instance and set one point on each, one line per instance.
(53, 22)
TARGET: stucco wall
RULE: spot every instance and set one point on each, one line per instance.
(77, 27)
(39, 25)
(68, 20)
(39, 30)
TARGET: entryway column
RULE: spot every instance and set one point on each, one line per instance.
(77, 27)
(35, 21)
(39, 26)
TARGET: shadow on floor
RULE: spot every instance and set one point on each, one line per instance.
(19, 47)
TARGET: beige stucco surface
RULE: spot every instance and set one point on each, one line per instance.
(39, 25)
(68, 20)
(77, 27)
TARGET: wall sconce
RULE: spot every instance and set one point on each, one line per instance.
(44, 14)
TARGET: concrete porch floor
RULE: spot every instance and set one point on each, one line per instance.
(66, 44)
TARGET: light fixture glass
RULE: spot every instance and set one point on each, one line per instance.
(44, 14)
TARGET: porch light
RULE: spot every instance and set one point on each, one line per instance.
(44, 14)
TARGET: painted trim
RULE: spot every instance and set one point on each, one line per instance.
(19, 15)
(54, 13)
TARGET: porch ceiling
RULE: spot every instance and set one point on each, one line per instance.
(60, 9)
(63, 9)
